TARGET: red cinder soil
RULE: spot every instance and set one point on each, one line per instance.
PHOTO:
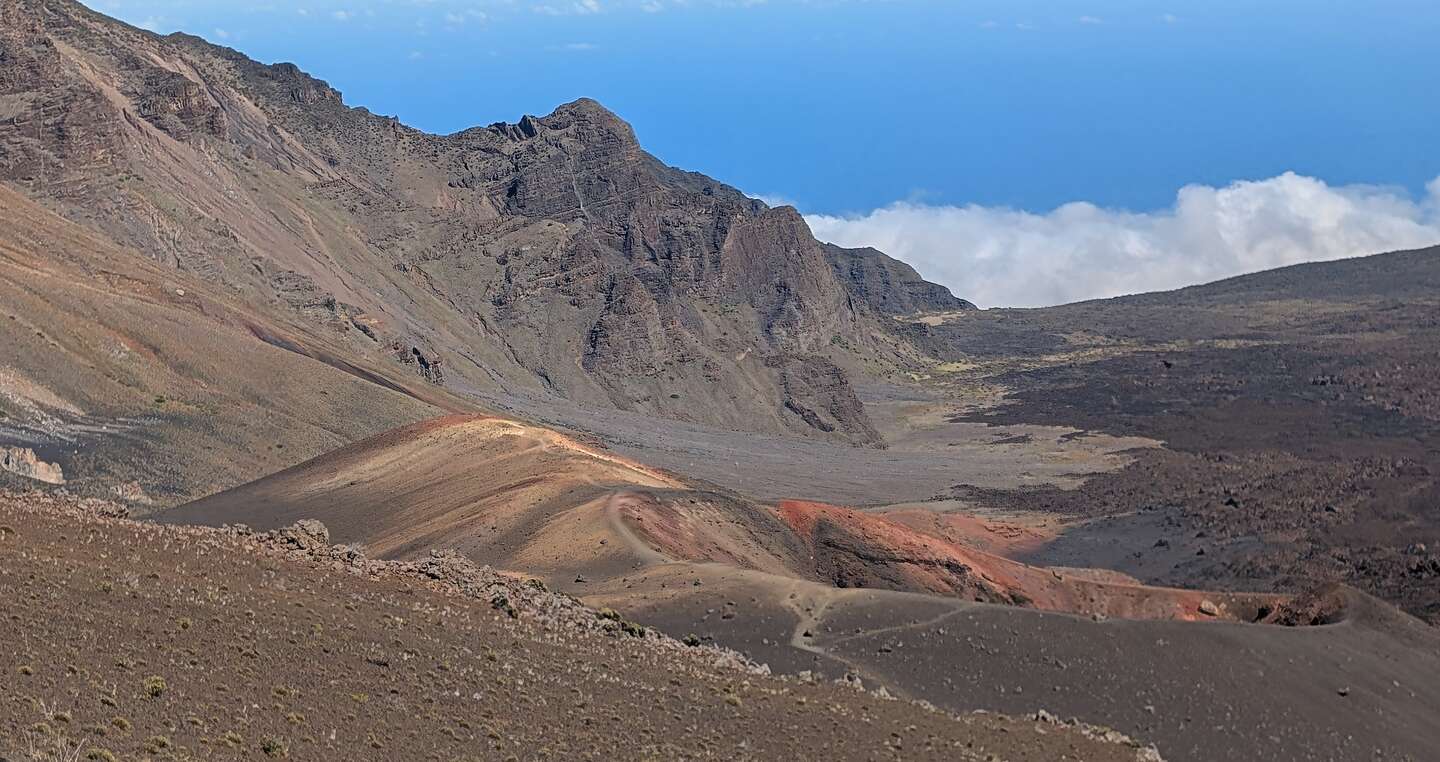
(855, 549)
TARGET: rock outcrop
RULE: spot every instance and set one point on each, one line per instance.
(888, 285)
(24, 462)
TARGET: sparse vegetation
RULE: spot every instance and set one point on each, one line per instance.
(154, 686)
(502, 603)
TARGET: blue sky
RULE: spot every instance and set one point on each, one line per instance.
(846, 107)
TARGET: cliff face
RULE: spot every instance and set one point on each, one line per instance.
(553, 254)
(888, 285)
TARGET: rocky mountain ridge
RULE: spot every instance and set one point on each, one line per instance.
(553, 254)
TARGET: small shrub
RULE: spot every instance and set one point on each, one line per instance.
(632, 629)
(121, 724)
(154, 686)
(275, 748)
(99, 755)
(501, 603)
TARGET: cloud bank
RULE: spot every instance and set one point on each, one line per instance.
(1010, 258)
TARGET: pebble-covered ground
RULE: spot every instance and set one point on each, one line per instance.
(128, 640)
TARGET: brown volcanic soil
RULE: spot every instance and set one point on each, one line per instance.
(517, 496)
(252, 273)
(732, 573)
(152, 642)
(526, 498)
(1299, 409)
(121, 370)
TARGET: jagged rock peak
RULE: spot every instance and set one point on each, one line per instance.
(585, 113)
(302, 87)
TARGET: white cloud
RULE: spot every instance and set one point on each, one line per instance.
(579, 7)
(775, 199)
(460, 18)
(1005, 257)
(575, 47)
(340, 15)
(1091, 20)
(160, 24)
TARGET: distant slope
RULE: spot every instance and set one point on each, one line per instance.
(1393, 275)
(1392, 291)
(1300, 409)
(136, 377)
